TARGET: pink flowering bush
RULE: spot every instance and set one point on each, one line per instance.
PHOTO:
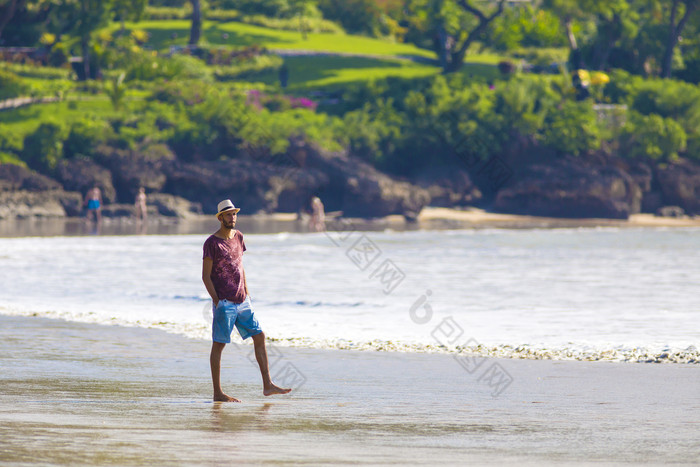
(278, 102)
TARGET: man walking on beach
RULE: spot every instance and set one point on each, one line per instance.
(224, 278)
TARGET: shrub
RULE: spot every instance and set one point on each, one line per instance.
(572, 129)
(254, 68)
(673, 100)
(141, 124)
(691, 72)
(165, 13)
(543, 60)
(526, 27)
(8, 158)
(276, 103)
(308, 23)
(224, 15)
(12, 86)
(373, 131)
(40, 72)
(356, 16)
(9, 140)
(653, 137)
(44, 147)
(668, 98)
(116, 91)
(148, 67)
(211, 126)
(522, 104)
(84, 137)
(279, 8)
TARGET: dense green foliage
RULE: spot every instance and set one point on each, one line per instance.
(44, 147)
(11, 85)
(223, 99)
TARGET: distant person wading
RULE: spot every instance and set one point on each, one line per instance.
(93, 201)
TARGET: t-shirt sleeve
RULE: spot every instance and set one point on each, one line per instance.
(240, 236)
(208, 249)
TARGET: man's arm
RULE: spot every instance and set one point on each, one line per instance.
(207, 265)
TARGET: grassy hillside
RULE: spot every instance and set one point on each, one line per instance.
(359, 58)
(322, 61)
(163, 34)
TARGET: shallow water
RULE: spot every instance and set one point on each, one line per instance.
(616, 294)
(75, 393)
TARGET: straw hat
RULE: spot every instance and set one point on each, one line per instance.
(225, 206)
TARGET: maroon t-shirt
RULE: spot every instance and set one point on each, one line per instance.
(227, 270)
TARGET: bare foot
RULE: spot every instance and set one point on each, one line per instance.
(224, 398)
(272, 390)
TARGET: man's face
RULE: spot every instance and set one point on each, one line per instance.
(228, 219)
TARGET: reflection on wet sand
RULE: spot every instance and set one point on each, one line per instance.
(75, 393)
(228, 418)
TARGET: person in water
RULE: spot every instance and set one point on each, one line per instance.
(317, 223)
(224, 278)
(93, 201)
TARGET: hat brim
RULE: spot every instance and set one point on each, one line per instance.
(234, 210)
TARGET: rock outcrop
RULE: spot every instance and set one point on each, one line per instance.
(571, 188)
(81, 174)
(25, 193)
(359, 190)
(254, 185)
(344, 184)
(23, 204)
(173, 206)
(448, 187)
(15, 178)
(132, 169)
(542, 185)
(679, 185)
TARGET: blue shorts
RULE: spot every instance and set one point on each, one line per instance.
(227, 315)
(93, 204)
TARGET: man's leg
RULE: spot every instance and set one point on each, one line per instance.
(269, 388)
(215, 362)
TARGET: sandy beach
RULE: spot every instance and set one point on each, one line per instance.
(430, 218)
(85, 394)
(479, 217)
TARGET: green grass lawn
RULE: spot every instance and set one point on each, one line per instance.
(315, 72)
(307, 73)
(163, 34)
(310, 73)
(25, 120)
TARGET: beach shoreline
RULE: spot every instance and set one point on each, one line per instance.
(97, 394)
(430, 218)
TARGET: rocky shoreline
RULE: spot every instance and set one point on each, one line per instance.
(569, 188)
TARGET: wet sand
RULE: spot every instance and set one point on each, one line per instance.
(82, 394)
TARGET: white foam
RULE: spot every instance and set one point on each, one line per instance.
(591, 294)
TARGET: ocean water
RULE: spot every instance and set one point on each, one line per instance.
(629, 294)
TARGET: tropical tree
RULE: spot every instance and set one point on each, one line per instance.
(453, 26)
(116, 91)
(681, 12)
(23, 21)
(196, 28)
(129, 10)
(7, 11)
(91, 15)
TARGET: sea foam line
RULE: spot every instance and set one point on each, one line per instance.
(690, 355)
